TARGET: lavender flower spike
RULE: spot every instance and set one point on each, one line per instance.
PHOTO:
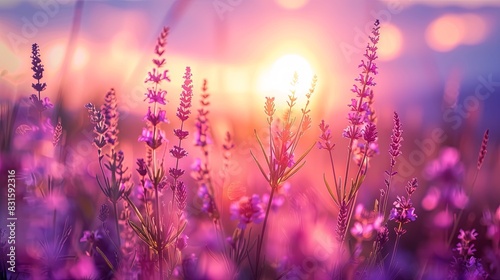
(482, 152)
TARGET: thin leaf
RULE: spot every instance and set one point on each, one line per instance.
(136, 210)
(295, 170)
(330, 190)
(260, 167)
(339, 189)
(262, 148)
(105, 258)
(299, 160)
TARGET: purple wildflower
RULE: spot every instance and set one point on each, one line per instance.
(38, 69)
(325, 139)
(181, 195)
(57, 133)
(366, 224)
(181, 134)
(208, 206)
(90, 237)
(247, 210)
(370, 133)
(178, 152)
(142, 167)
(151, 139)
(446, 174)
(176, 173)
(111, 116)
(201, 134)
(465, 265)
(482, 151)
(183, 110)
(41, 104)
(100, 128)
(156, 119)
(156, 96)
(360, 113)
(396, 139)
(403, 211)
(182, 242)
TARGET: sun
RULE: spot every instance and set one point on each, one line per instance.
(276, 80)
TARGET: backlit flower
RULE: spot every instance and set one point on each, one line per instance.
(247, 210)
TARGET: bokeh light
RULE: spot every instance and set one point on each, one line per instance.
(57, 52)
(477, 29)
(449, 31)
(445, 33)
(10, 62)
(391, 42)
(292, 4)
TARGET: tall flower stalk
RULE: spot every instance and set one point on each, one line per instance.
(280, 163)
(38, 103)
(402, 213)
(153, 232)
(362, 135)
(178, 152)
(201, 172)
(179, 192)
(116, 184)
(480, 160)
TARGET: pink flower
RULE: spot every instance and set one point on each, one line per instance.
(325, 139)
(90, 236)
(366, 224)
(360, 109)
(492, 222)
(156, 96)
(247, 210)
(158, 118)
(153, 141)
(183, 111)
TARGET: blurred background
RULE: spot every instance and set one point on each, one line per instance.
(438, 61)
(439, 68)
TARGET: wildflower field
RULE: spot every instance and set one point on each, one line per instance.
(233, 139)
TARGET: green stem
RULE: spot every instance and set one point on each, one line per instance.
(398, 236)
(115, 209)
(333, 171)
(457, 221)
(101, 253)
(261, 239)
(159, 244)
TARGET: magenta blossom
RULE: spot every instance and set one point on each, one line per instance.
(247, 210)
(153, 141)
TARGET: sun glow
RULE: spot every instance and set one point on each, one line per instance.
(276, 81)
(56, 56)
(292, 4)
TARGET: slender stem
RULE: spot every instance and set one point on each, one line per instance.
(398, 236)
(333, 170)
(347, 167)
(220, 235)
(349, 218)
(261, 239)
(159, 245)
(422, 271)
(457, 221)
(386, 196)
(115, 209)
(176, 167)
(362, 164)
